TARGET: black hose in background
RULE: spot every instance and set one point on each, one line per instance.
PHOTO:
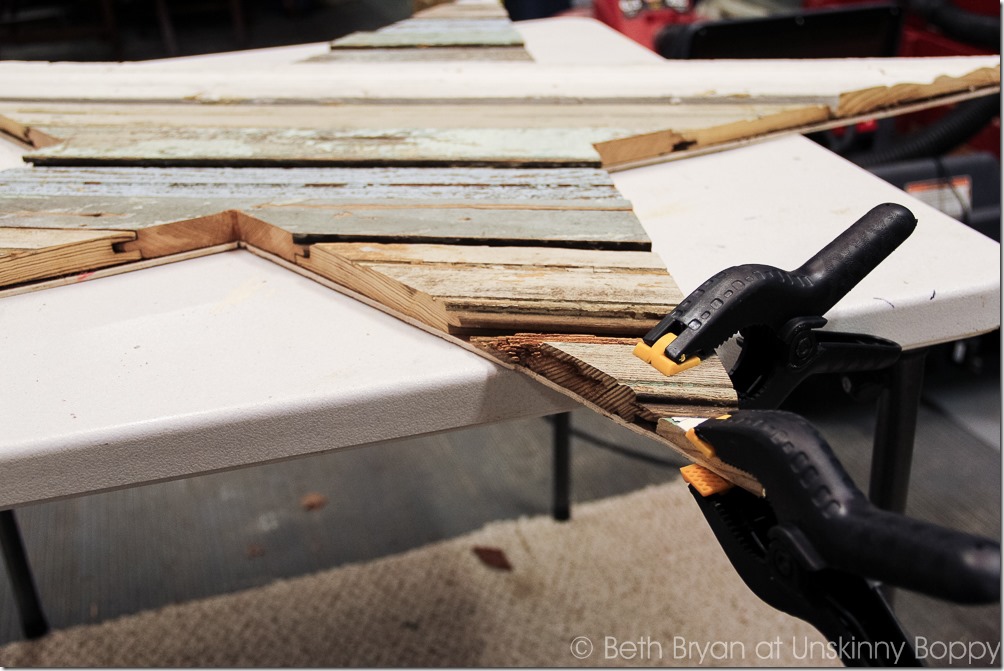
(965, 26)
(945, 134)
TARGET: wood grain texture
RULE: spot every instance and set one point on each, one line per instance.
(662, 143)
(502, 289)
(306, 147)
(431, 31)
(62, 119)
(464, 10)
(557, 207)
(604, 373)
(28, 254)
(425, 54)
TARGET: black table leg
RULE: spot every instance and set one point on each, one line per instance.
(23, 584)
(895, 429)
(562, 428)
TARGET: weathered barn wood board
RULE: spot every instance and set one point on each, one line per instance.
(463, 290)
(305, 147)
(835, 83)
(62, 119)
(28, 254)
(575, 207)
(463, 10)
(435, 32)
(343, 55)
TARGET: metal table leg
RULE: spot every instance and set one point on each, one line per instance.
(562, 432)
(23, 584)
(895, 429)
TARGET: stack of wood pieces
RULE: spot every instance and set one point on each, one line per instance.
(492, 226)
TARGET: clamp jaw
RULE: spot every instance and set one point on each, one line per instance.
(814, 544)
(777, 313)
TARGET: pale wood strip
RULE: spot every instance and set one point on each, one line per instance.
(576, 292)
(455, 11)
(425, 54)
(393, 295)
(584, 188)
(298, 147)
(25, 134)
(435, 32)
(31, 254)
(866, 100)
(61, 119)
(622, 151)
(535, 257)
(597, 229)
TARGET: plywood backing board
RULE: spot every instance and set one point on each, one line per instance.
(575, 207)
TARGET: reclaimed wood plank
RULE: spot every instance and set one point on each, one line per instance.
(462, 10)
(576, 291)
(62, 119)
(412, 34)
(28, 254)
(578, 187)
(560, 207)
(587, 229)
(425, 54)
(295, 147)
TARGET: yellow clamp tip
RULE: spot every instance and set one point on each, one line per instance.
(703, 446)
(656, 356)
(706, 482)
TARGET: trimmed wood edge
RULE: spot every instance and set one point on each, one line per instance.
(100, 251)
(630, 152)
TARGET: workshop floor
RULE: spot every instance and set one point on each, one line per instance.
(109, 554)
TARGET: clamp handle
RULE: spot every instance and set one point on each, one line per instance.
(750, 294)
(840, 265)
(811, 493)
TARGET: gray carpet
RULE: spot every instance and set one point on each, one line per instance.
(640, 577)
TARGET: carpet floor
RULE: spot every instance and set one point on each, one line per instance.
(637, 580)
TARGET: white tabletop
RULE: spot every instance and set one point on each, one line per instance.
(218, 362)
(780, 202)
